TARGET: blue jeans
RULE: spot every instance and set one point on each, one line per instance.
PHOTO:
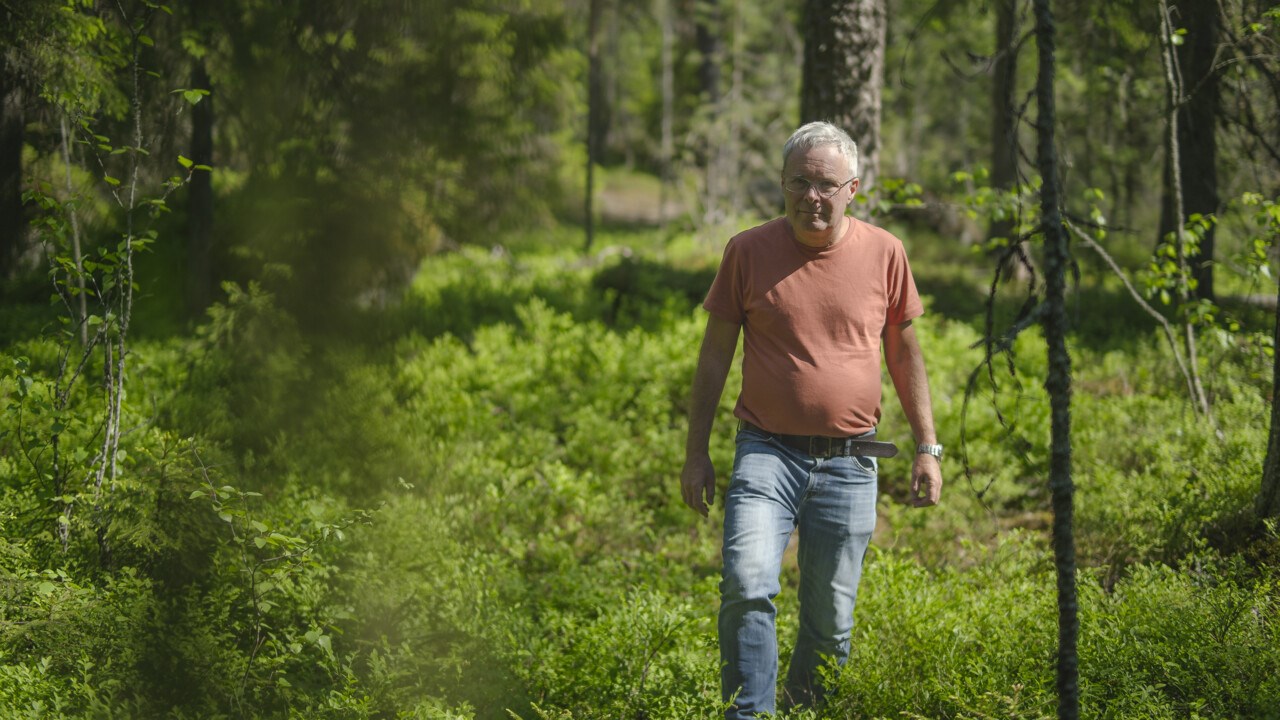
(774, 490)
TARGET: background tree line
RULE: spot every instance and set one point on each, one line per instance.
(413, 125)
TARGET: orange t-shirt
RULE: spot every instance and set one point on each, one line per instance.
(813, 320)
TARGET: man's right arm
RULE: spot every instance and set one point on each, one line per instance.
(698, 478)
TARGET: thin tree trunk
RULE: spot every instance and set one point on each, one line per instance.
(1198, 131)
(707, 36)
(843, 73)
(1268, 504)
(1198, 108)
(200, 200)
(12, 122)
(83, 310)
(1173, 164)
(731, 154)
(1004, 138)
(594, 81)
(709, 25)
(667, 148)
(1058, 384)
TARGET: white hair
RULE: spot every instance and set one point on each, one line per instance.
(819, 134)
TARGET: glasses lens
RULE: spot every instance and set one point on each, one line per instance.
(800, 186)
(796, 185)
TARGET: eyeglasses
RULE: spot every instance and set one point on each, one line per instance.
(825, 188)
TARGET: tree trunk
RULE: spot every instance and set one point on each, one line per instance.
(200, 200)
(12, 121)
(1058, 383)
(668, 143)
(594, 87)
(844, 73)
(1268, 504)
(1173, 198)
(1004, 121)
(708, 28)
(707, 35)
(1199, 104)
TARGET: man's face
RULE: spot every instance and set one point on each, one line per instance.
(816, 220)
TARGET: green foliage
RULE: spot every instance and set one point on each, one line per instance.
(517, 416)
(1197, 641)
(520, 426)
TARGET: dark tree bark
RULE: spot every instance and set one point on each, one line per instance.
(1198, 112)
(1004, 120)
(200, 200)
(1058, 384)
(844, 73)
(12, 121)
(1268, 504)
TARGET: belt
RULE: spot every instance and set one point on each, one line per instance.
(827, 447)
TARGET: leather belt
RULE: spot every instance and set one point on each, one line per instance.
(827, 447)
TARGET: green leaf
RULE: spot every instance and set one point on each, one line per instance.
(145, 40)
(185, 162)
(197, 494)
(110, 180)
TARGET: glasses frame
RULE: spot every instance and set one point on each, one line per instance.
(814, 187)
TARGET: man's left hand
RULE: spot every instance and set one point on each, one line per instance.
(926, 480)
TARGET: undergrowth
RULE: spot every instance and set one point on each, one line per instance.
(469, 510)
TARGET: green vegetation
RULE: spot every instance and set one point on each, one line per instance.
(469, 510)
(325, 419)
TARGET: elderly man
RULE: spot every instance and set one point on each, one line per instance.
(818, 294)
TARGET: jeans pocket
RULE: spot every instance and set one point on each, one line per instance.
(866, 464)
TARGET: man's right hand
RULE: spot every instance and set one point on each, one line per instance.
(698, 482)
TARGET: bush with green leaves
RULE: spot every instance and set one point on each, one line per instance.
(470, 511)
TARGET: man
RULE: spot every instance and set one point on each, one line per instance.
(818, 294)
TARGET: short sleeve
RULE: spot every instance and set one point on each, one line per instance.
(903, 298)
(725, 300)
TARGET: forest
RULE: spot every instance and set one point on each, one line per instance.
(346, 350)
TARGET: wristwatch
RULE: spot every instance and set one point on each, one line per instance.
(927, 449)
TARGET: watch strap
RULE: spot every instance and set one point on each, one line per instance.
(929, 449)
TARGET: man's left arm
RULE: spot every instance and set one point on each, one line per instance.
(906, 367)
